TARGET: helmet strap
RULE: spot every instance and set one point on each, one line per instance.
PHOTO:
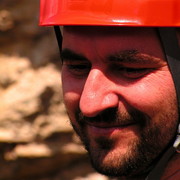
(171, 48)
(58, 37)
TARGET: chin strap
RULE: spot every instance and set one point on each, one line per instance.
(169, 41)
(158, 170)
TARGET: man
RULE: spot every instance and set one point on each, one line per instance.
(121, 97)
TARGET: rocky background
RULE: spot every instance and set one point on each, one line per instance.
(36, 139)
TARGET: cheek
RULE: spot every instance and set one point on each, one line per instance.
(154, 95)
(71, 101)
(71, 92)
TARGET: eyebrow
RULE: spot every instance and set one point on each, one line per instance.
(68, 54)
(133, 56)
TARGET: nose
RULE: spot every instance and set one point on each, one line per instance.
(98, 94)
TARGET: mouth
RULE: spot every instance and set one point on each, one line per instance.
(104, 129)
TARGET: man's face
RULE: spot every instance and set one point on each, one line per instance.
(119, 95)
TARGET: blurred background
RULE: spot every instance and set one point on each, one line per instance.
(36, 139)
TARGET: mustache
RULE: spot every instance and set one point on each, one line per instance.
(114, 116)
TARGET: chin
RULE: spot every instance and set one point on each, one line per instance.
(115, 161)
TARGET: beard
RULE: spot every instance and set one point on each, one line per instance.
(152, 138)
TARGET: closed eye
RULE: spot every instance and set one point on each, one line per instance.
(133, 73)
(77, 69)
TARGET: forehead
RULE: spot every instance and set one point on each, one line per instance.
(102, 40)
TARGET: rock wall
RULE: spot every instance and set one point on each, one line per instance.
(36, 139)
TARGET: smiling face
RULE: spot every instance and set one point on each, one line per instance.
(119, 95)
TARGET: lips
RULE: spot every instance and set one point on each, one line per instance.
(104, 129)
(110, 125)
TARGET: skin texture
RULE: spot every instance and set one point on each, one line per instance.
(119, 96)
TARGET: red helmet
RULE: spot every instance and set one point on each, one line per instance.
(108, 12)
